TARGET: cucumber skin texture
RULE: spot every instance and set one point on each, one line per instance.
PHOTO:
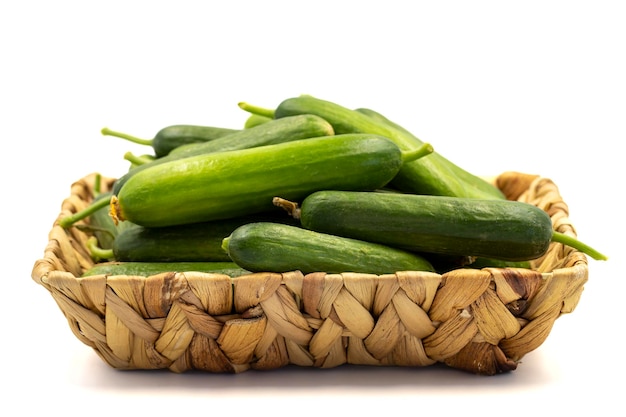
(171, 137)
(198, 242)
(237, 183)
(273, 247)
(434, 175)
(276, 131)
(498, 229)
(146, 269)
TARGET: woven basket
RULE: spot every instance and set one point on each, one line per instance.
(481, 321)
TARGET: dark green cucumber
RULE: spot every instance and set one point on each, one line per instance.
(433, 175)
(276, 131)
(171, 137)
(276, 247)
(236, 183)
(146, 269)
(498, 229)
(197, 242)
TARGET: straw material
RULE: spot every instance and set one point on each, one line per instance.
(480, 321)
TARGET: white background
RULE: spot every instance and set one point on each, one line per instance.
(535, 86)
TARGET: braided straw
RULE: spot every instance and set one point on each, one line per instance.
(481, 321)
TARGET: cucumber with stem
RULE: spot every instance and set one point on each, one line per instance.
(234, 183)
(273, 132)
(499, 229)
(433, 175)
(171, 137)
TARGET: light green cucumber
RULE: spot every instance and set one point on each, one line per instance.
(236, 183)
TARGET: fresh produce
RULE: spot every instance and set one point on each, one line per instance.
(278, 131)
(365, 195)
(498, 229)
(197, 242)
(433, 175)
(146, 269)
(171, 137)
(277, 247)
(243, 182)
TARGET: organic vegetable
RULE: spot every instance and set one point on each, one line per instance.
(197, 242)
(276, 131)
(433, 175)
(499, 229)
(235, 183)
(171, 137)
(277, 247)
(146, 269)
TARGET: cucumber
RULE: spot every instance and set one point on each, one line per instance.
(197, 242)
(497, 229)
(276, 131)
(146, 269)
(434, 175)
(236, 183)
(255, 120)
(171, 137)
(274, 247)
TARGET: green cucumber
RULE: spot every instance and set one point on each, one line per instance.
(171, 137)
(498, 229)
(273, 132)
(274, 247)
(197, 242)
(433, 175)
(255, 120)
(236, 183)
(146, 269)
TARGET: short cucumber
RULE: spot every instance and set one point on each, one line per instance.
(235, 183)
(433, 175)
(276, 247)
(498, 229)
(146, 269)
(276, 131)
(197, 242)
(171, 137)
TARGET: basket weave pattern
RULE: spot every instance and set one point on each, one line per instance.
(481, 321)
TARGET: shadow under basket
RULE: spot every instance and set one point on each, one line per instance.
(478, 320)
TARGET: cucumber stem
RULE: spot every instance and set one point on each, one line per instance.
(136, 160)
(289, 206)
(97, 253)
(108, 132)
(97, 185)
(69, 221)
(577, 244)
(260, 111)
(424, 150)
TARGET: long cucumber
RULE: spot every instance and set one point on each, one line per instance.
(276, 247)
(273, 132)
(146, 269)
(498, 229)
(197, 242)
(432, 175)
(237, 183)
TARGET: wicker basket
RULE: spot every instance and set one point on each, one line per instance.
(481, 321)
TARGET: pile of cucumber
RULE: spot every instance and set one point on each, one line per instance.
(311, 186)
